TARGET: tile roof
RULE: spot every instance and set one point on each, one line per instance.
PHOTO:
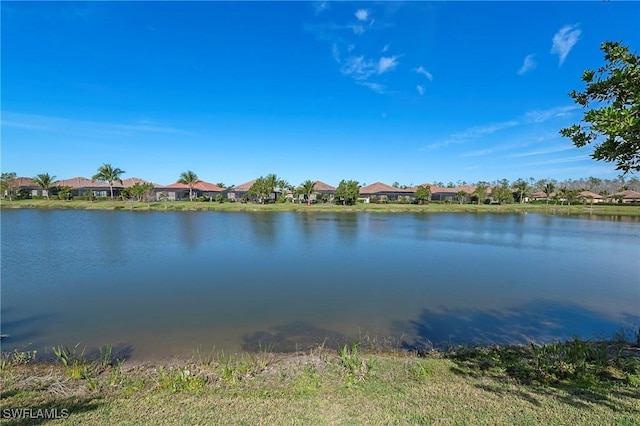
(83, 182)
(629, 194)
(244, 187)
(436, 189)
(591, 194)
(378, 187)
(321, 186)
(199, 186)
(24, 181)
(133, 180)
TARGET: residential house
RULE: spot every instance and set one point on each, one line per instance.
(450, 194)
(628, 196)
(241, 192)
(321, 189)
(238, 192)
(181, 191)
(27, 183)
(591, 197)
(383, 192)
(81, 185)
(539, 196)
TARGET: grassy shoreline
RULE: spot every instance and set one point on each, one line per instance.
(595, 383)
(620, 210)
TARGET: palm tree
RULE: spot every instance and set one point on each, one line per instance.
(548, 189)
(564, 194)
(44, 181)
(461, 195)
(308, 187)
(522, 187)
(107, 173)
(191, 179)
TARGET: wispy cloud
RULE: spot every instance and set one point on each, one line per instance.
(376, 87)
(23, 125)
(550, 150)
(335, 52)
(53, 124)
(564, 40)
(494, 149)
(478, 153)
(564, 160)
(387, 64)
(359, 68)
(540, 116)
(357, 29)
(478, 131)
(365, 67)
(528, 65)
(420, 89)
(362, 14)
(321, 6)
(423, 71)
(471, 134)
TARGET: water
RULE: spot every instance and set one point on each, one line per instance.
(161, 284)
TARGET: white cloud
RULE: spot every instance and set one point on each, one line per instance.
(362, 14)
(359, 68)
(363, 65)
(387, 64)
(564, 40)
(335, 52)
(378, 88)
(321, 6)
(420, 89)
(479, 131)
(473, 133)
(477, 153)
(528, 65)
(540, 116)
(421, 70)
(558, 161)
(542, 151)
(60, 125)
(357, 29)
(429, 147)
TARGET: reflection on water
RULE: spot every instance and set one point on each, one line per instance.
(293, 337)
(600, 216)
(164, 283)
(536, 322)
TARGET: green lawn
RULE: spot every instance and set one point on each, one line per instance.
(474, 386)
(626, 210)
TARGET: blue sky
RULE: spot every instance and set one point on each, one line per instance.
(373, 91)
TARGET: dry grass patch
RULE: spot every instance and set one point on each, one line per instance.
(320, 387)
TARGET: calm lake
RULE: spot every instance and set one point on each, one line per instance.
(161, 284)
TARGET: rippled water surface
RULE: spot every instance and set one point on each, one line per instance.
(158, 284)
